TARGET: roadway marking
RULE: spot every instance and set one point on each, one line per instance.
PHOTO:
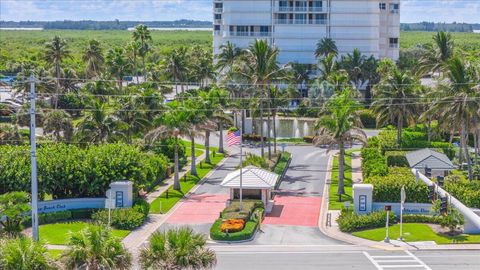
(396, 261)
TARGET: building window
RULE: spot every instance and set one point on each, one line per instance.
(218, 5)
(218, 16)
(383, 6)
(394, 8)
(300, 18)
(217, 28)
(393, 42)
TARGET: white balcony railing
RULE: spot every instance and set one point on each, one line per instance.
(394, 45)
(218, 10)
(299, 9)
(249, 34)
(217, 32)
(217, 21)
(300, 21)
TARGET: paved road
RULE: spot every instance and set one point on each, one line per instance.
(338, 257)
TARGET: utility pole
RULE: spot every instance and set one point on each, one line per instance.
(33, 160)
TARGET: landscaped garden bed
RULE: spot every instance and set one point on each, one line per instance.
(336, 202)
(236, 223)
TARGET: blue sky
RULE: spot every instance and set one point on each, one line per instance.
(412, 10)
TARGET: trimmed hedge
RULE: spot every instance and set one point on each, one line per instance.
(387, 188)
(53, 217)
(349, 221)
(247, 233)
(253, 137)
(373, 163)
(396, 159)
(67, 171)
(422, 219)
(233, 210)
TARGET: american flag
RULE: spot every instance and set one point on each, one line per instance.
(233, 138)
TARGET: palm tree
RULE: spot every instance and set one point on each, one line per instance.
(172, 124)
(339, 124)
(58, 122)
(177, 249)
(327, 65)
(142, 35)
(133, 114)
(96, 248)
(393, 100)
(260, 67)
(202, 68)
(459, 103)
(132, 50)
(24, 254)
(227, 57)
(99, 124)
(118, 65)
(437, 55)
(56, 52)
(176, 66)
(325, 47)
(93, 58)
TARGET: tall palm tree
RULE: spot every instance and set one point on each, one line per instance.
(173, 124)
(118, 65)
(96, 248)
(176, 66)
(132, 50)
(325, 47)
(260, 67)
(437, 55)
(177, 249)
(327, 65)
(142, 35)
(93, 58)
(56, 51)
(58, 122)
(99, 124)
(24, 254)
(133, 114)
(339, 124)
(227, 57)
(460, 102)
(393, 100)
(202, 68)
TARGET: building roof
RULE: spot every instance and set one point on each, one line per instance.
(252, 178)
(429, 158)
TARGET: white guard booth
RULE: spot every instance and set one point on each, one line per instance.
(120, 194)
(257, 184)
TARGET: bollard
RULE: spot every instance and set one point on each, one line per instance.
(166, 194)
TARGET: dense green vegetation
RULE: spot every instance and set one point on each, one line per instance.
(336, 202)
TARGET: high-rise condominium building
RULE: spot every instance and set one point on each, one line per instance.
(295, 26)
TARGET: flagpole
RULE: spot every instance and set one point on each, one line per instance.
(241, 166)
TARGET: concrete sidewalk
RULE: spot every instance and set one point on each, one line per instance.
(357, 176)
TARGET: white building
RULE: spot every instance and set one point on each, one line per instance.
(295, 26)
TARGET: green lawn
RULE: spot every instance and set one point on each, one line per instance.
(334, 202)
(186, 184)
(55, 254)
(416, 232)
(199, 148)
(58, 233)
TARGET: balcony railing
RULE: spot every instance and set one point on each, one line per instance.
(394, 45)
(218, 10)
(300, 9)
(217, 32)
(217, 21)
(300, 21)
(249, 34)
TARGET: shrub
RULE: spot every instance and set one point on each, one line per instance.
(167, 147)
(256, 161)
(349, 221)
(446, 148)
(233, 210)
(373, 163)
(387, 188)
(82, 213)
(466, 191)
(368, 119)
(232, 225)
(142, 206)
(253, 137)
(122, 218)
(396, 159)
(47, 218)
(421, 219)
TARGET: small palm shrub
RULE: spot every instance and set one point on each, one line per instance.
(96, 248)
(24, 254)
(180, 248)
